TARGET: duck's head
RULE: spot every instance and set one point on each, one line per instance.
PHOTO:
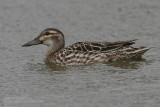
(51, 37)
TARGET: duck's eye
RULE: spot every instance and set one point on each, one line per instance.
(47, 33)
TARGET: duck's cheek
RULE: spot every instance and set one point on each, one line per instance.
(42, 38)
(48, 42)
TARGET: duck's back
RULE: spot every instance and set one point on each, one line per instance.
(102, 47)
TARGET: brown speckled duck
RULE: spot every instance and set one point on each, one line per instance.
(83, 53)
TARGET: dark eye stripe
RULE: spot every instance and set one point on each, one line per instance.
(47, 33)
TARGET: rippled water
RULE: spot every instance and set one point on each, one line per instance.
(26, 81)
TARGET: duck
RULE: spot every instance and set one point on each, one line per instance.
(84, 53)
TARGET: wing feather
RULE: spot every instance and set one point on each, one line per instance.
(99, 46)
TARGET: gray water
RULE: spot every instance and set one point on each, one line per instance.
(26, 81)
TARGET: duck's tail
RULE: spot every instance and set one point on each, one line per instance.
(138, 52)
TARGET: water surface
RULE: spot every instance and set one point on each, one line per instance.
(26, 81)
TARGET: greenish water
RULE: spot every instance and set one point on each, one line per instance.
(26, 81)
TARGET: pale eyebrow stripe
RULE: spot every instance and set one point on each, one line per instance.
(52, 32)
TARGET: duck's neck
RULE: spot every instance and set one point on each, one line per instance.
(53, 49)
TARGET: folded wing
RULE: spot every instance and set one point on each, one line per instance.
(102, 47)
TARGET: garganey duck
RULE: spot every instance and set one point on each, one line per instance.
(83, 53)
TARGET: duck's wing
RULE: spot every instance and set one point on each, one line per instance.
(99, 46)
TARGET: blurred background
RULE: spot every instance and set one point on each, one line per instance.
(26, 81)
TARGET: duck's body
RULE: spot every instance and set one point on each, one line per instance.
(83, 53)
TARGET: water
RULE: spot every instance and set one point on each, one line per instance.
(26, 81)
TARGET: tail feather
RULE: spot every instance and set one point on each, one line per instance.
(130, 42)
(139, 51)
(126, 43)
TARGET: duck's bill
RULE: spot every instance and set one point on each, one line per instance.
(33, 42)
